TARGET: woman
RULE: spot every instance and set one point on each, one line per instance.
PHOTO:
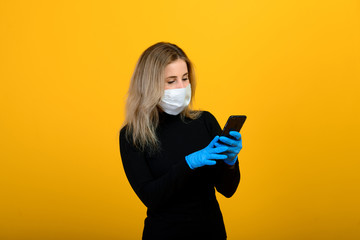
(172, 155)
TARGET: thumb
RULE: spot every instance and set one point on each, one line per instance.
(212, 143)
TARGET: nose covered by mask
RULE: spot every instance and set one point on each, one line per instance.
(174, 101)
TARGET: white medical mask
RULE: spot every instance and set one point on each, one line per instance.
(174, 101)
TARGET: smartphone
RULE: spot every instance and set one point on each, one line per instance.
(234, 123)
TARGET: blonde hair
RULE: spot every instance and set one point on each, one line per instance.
(145, 92)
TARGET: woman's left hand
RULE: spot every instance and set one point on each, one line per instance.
(234, 144)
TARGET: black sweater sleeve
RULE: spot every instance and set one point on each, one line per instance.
(227, 177)
(153, 192)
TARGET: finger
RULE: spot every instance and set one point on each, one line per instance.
(229, 148)
(240, 144)
(218, 149)
(218, 156)
(209, 162)
(229, 141)
(219, 144)
(232, 150)
(235, 134)
(212, 143)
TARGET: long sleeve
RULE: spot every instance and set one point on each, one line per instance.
(181, 202)
(153, 192)
(227, 177)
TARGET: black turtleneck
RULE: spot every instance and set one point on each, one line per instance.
(181, 202)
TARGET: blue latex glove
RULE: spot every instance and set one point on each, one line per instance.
(207, 155)
(234, 144)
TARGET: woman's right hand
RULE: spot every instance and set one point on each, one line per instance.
(207, 155)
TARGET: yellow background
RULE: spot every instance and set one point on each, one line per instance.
(293, 67)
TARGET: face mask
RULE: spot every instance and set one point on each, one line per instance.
(176, 100)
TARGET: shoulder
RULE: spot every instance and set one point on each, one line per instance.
(124, 137)
(122, 132)
(126, 140)
(208, 117)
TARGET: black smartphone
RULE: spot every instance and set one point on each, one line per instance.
(234, 123)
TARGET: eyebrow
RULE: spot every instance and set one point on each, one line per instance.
(175, 76)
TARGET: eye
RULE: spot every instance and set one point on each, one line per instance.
(170, 82)
(185, 79)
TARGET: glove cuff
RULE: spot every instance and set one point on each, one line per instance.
(188, 162)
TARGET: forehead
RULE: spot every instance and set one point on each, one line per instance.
(178, 67)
